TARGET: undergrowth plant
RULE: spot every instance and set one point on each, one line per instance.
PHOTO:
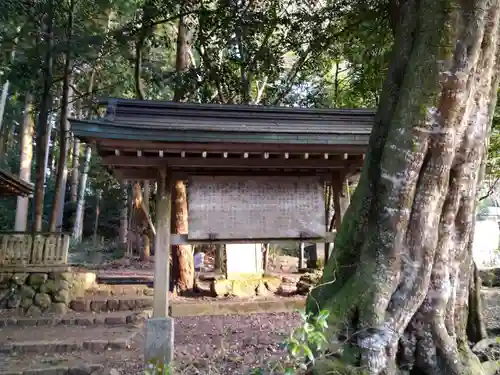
(304, 345)
(154, 368)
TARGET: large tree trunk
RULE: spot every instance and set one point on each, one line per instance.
(398, 282)
(182, 255)
(43, 128)
(27, 131)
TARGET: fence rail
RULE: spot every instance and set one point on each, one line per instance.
(21, 248)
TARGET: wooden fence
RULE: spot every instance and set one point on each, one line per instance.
(21, 248)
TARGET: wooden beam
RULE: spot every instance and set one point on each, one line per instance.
(162, 245)
(178, 162)
(182, 239)
(131, 145)
(184, 174)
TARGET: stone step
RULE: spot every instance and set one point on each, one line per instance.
(62, 339)
(69, 319)
(108, 290)
(236, 307)
(58, 370)
(75, 363)
(99, 304)
(194, 307)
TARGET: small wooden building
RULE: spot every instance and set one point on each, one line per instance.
(12, 186)
(135, 138)
(262, 169)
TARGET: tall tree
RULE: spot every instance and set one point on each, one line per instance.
(80, 205)
(146, 247)
(182, 255)
(27, 130)
(67, 95)
(43, 127)
(398, 283)
(124, 214)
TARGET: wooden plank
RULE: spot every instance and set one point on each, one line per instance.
(162, 245)
(182, 239)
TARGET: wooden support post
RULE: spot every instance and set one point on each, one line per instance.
(301, 256)
(219, 258)
(159, 330)
(162, 245)
(265, 257)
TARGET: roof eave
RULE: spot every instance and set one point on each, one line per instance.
(88, 129)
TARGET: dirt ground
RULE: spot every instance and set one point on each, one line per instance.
(216, 345)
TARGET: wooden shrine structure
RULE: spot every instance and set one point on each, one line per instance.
(255, 174)
(12, 186)
(28, 248)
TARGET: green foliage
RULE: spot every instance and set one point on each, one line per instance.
(309, 338)
(157, 368)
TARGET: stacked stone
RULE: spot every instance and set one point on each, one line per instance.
(35, 293)
(307, 282)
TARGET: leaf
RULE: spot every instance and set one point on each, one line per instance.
(308, 352)
(293, 349)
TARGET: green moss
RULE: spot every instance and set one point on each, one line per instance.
(336, 367)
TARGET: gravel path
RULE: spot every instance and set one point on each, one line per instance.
(208, 345)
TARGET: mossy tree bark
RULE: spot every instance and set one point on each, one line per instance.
(397, 284)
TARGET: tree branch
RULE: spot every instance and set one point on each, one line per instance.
(297, 66)
(490, 190)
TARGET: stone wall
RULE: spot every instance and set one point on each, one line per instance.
(33, 292)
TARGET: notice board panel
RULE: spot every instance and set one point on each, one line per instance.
(235, 207)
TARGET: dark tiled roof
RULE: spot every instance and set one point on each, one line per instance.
(237, 118)
(162, 121)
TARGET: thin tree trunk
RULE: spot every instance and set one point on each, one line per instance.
(97, 213)
(5, 89)
(146, 248)
(123, 232)
(3, 101)
(182, 255)
(56, 215)
(27, 131)
(75, 168)
(80, 205)
(182, 59)
(48, 154)
(397, 285)
(43, 129)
